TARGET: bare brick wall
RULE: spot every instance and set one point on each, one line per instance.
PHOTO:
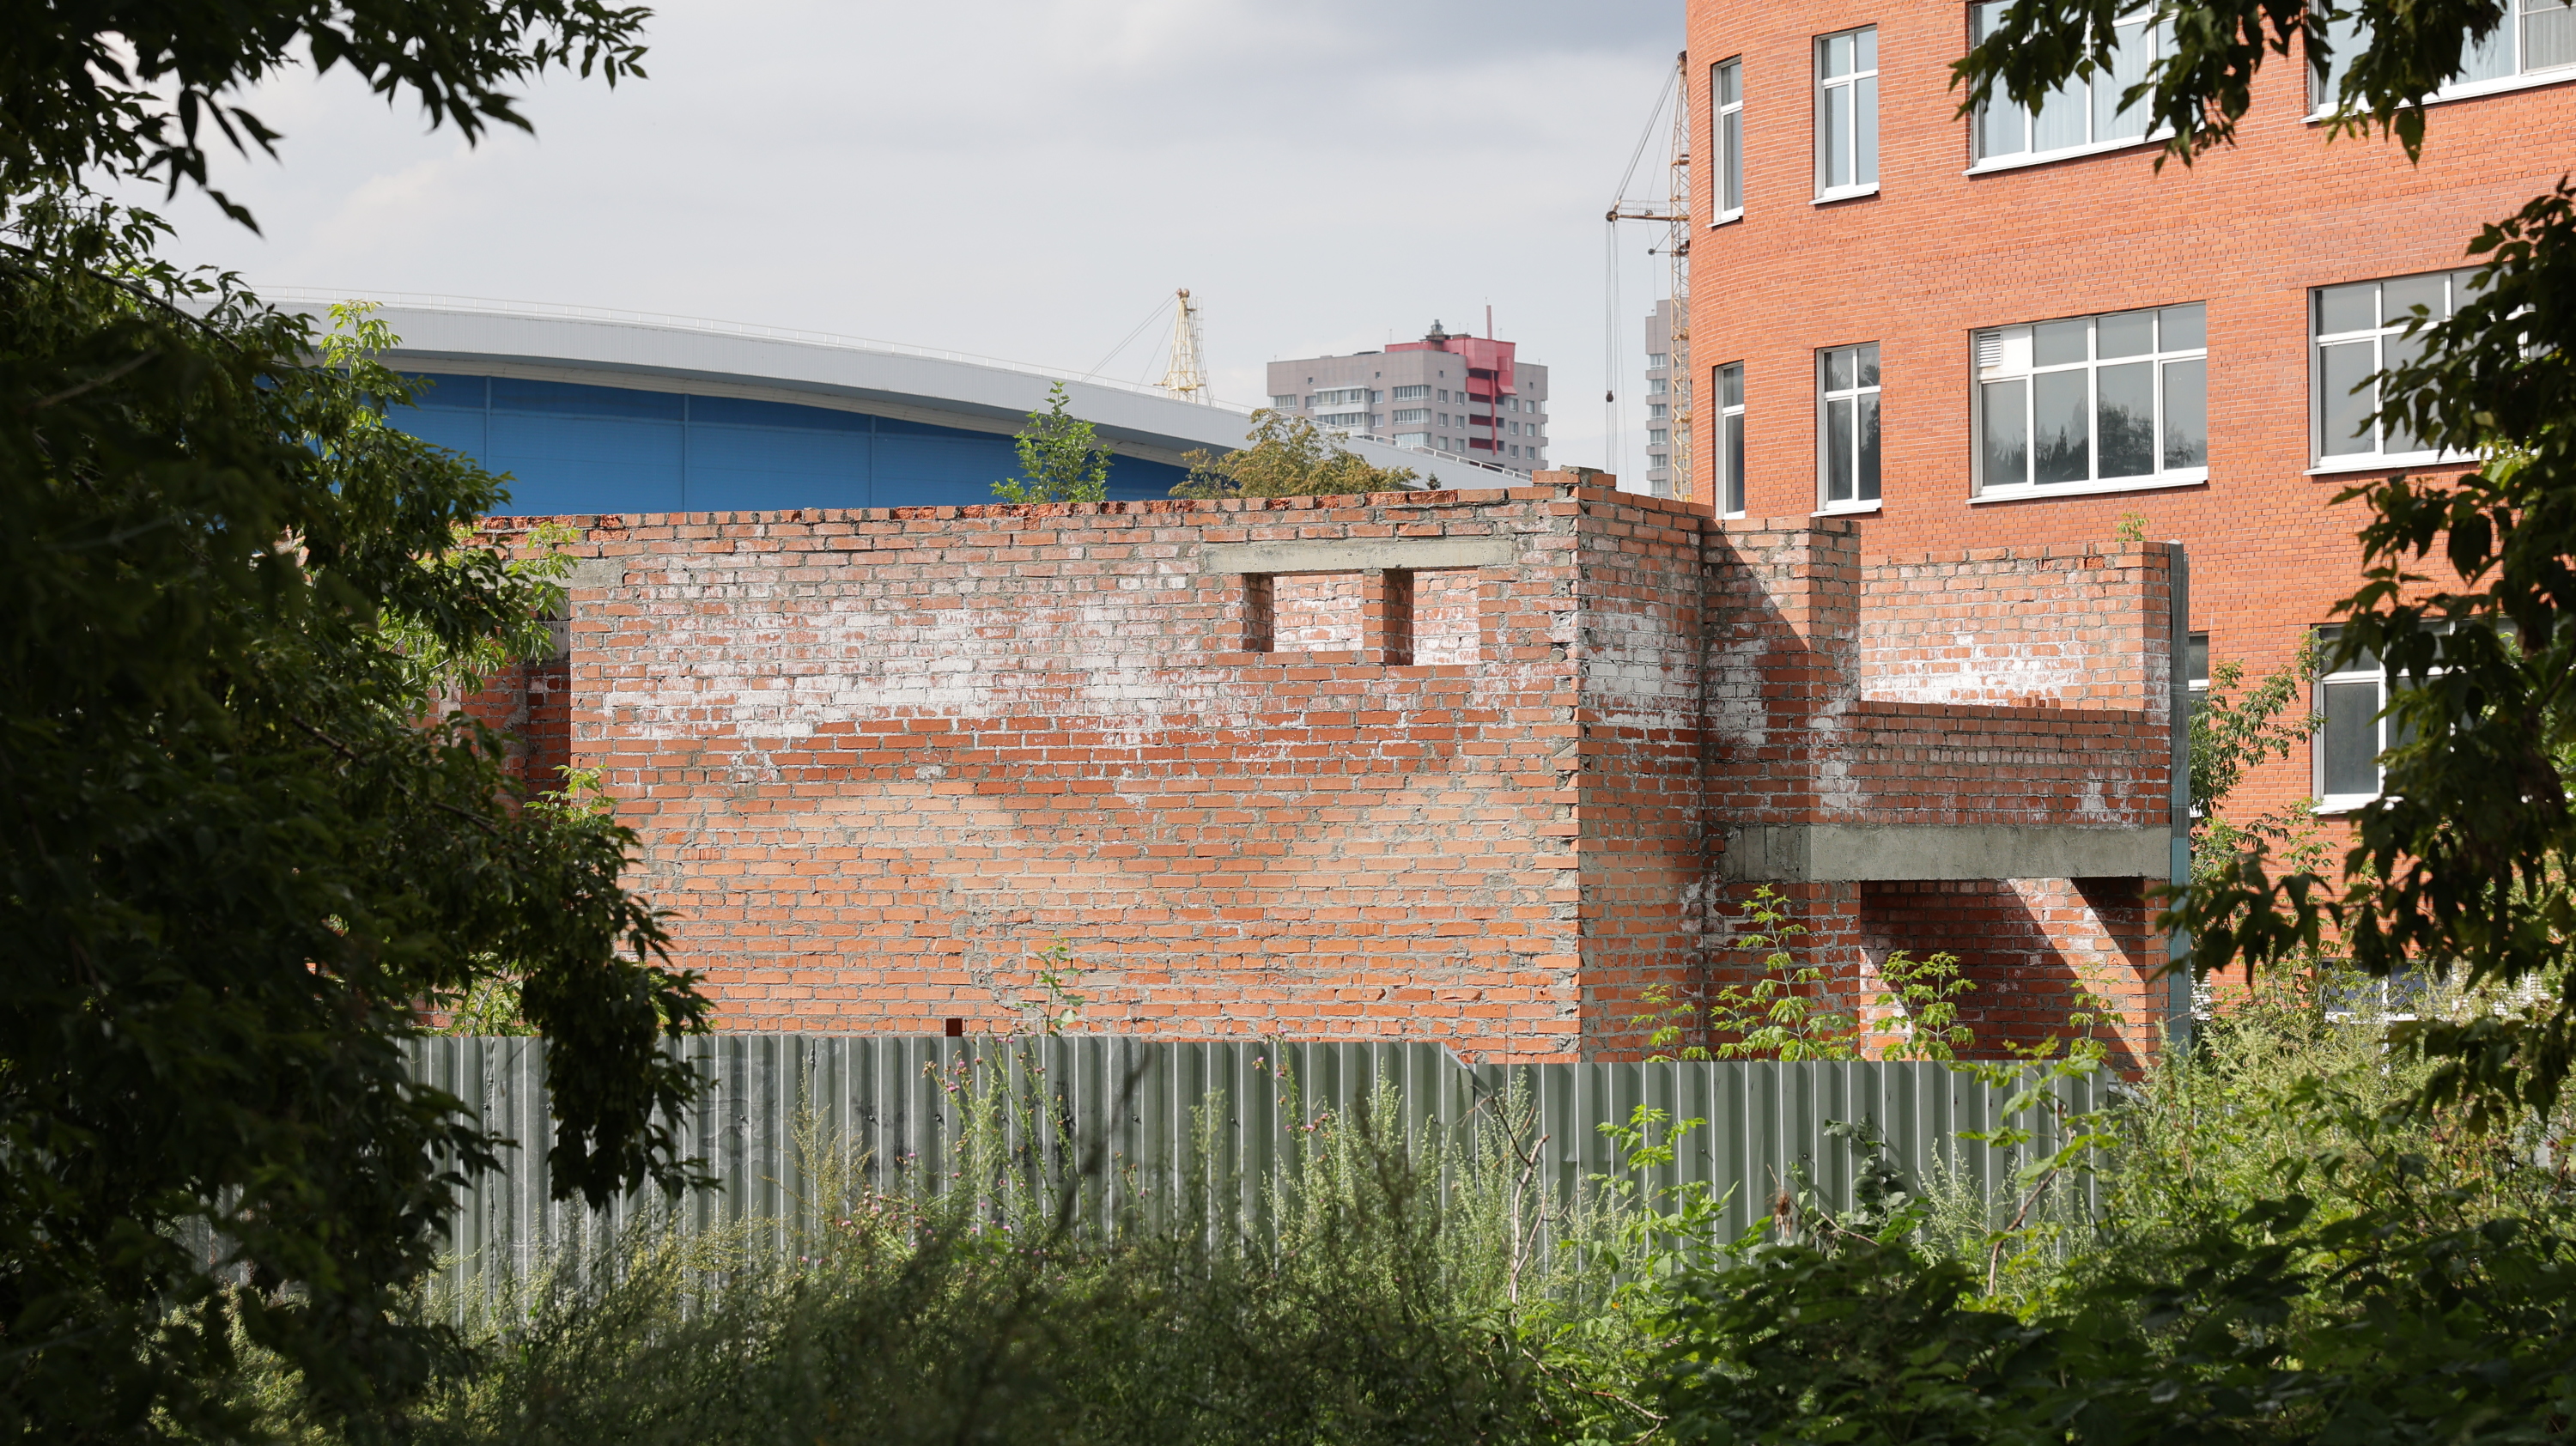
(881, 759)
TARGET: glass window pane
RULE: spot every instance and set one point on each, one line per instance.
(2348, 308)
(2061, 121)
(2185, 328)
(2128, 67)
(2330, 658)
(1734, 463)
(2344, 415)
(1838, 369)
(1865, 132)
(1838, 451)
(2196, 658)
(2398, 298)
(2488, 59)
(1838, 56)
(1729, 77)
(2395, 352)
(2125, 419)
(2186, 414)
(1731, 161)
(2351, 738)
(2055, 342)
(2548, 34)
(2060, 437)
(2400, 732)
(1867, 352)
(1867, 426)
(1730, 386)
(1836, 139)
(1868, 57)
(2002, 131)
(2127, 333)
(2007, 429)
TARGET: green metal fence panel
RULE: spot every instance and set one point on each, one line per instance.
(1127, 1126)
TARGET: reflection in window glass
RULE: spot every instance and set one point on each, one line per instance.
(2186, 414)
(2358, 332)
(2120, 397)
(1847, 418)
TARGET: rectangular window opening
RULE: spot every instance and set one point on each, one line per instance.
(1726, 136)
(1847, 451)
(2535, 44)
(2114, 400)
(1847, 113)
(1728, 385)
(2356, 332)
(2083, 115)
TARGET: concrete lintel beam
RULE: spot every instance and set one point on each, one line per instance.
(1409, 554)
(1872, 853)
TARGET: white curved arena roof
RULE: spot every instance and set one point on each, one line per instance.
(955, 389)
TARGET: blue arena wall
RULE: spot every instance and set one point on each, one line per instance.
(571, 448)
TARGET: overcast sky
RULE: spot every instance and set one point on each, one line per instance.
(1027, 180)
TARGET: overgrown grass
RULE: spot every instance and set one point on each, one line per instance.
(1431, 1292)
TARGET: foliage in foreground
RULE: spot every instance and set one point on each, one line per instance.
(2268, 1247)
(241, 840)
(1289, 457)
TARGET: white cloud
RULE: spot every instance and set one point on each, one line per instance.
(1024, 179)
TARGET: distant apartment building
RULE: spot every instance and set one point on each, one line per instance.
(2033, 334)
(1459, 396)
(1660, 386)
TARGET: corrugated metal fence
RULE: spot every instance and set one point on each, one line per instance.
(1130, 1121)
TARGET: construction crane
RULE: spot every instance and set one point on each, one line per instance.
(1186, 377)
(1675, 214)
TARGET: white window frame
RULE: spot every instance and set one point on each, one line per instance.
(1857, 90)
(2353, 675)
(2456, 289)
(1726, 384)
(1419, 441)
(2003, 356)
(2090, 95)
(1726, 139)
(1412, 394)
(1864, 399)
(1412, 416)
(2511, 38)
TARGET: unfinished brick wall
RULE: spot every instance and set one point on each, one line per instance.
(2001, 686)
(880, 760)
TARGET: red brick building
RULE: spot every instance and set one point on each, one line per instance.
(1479, 767)
(1971, 331)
